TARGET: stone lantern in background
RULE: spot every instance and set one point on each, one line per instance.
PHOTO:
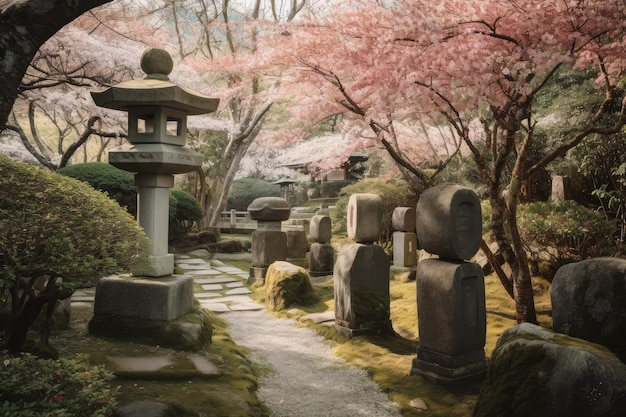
(157, 128)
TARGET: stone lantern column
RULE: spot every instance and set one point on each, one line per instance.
(157, 128)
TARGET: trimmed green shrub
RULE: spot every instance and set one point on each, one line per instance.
(563, 232)
(184, 213)
(393, 194)
(55, 226)
(117, 183)
(59, 388)
(245, 190)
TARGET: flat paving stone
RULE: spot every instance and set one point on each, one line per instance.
(190, 261)
(136, 364)
(233, 299)
(246, 307)
(212, 287)
(204, 365)
(207, 294)
(230, 270)
(82, 298)
(215, 307)
(320, 317)
(204, 272)
(235, 284)
(81, 304)
(238, 291)
(188, 267)
(216, 280)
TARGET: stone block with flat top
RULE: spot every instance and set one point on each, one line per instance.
(449, 221)
(364, 217)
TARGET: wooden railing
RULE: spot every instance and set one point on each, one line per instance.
(240, 222)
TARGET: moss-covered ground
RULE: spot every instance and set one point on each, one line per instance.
(388, 360)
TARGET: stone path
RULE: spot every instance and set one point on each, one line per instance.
(305, 377)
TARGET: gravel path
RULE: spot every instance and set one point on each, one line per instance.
(305, 379)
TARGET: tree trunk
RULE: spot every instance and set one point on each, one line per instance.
(23, 321)
(24, 27)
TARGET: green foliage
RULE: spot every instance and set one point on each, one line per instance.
(393, 194)
(564, 232)
(51, 224)
(185, 210)
(245, 190)
(54, 388)
(331, 189)
(117, 183)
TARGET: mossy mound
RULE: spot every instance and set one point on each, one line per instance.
(287, 284)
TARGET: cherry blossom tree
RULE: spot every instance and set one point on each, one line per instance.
(466, 64)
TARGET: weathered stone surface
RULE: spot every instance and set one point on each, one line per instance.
(268, 247)
(364, 217)
(362, 301)
(452, 320)
(403, 219)
(287, 284)
(143, 298)
(191, 332)
(269, 209)
(449, 221)
(589, 302)
(321, 259)
(297, 245)
(535, 372)
(404, 249)
(151, 409)
(320, 229)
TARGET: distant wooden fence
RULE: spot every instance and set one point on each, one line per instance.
(234, 221)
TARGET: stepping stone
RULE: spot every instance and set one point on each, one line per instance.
(233, 299)
(193, 261)
(238, 291)
(81, 304)
(216, 280)
(204, 272)
(207, 294)
(235, 284)
(204, 365)
(246, 307)
(230, 270)
(82, 298)
(217, 262)
(212, 287)
(320, 317)
(215, 307)
(136, 364)
(188, 267)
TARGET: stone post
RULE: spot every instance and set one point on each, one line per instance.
(361, 273)
(269, 242)
(322, 255)
(450, 291)
(404, 238)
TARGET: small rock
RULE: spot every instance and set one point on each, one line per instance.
(419, 404)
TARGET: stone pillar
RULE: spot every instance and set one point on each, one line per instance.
(322, 255)
(153, 196)
(361, 273)
(404, 238)
(450, 291)
(297, 247)
(269, 242)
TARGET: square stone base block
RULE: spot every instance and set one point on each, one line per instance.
(166, 298)
(257, 274)
(441, 368)
(160, 266)
(382, 328)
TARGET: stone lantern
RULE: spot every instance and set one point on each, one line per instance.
(157, 128)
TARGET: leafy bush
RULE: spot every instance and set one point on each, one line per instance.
(245, 190)
(563, 232)
(184, 213)
(393, 194)
(332, 189)
(117, 183)
(54, 226)
(59, 388)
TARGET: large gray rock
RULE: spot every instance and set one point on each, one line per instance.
(589, 302)
(535, 372)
